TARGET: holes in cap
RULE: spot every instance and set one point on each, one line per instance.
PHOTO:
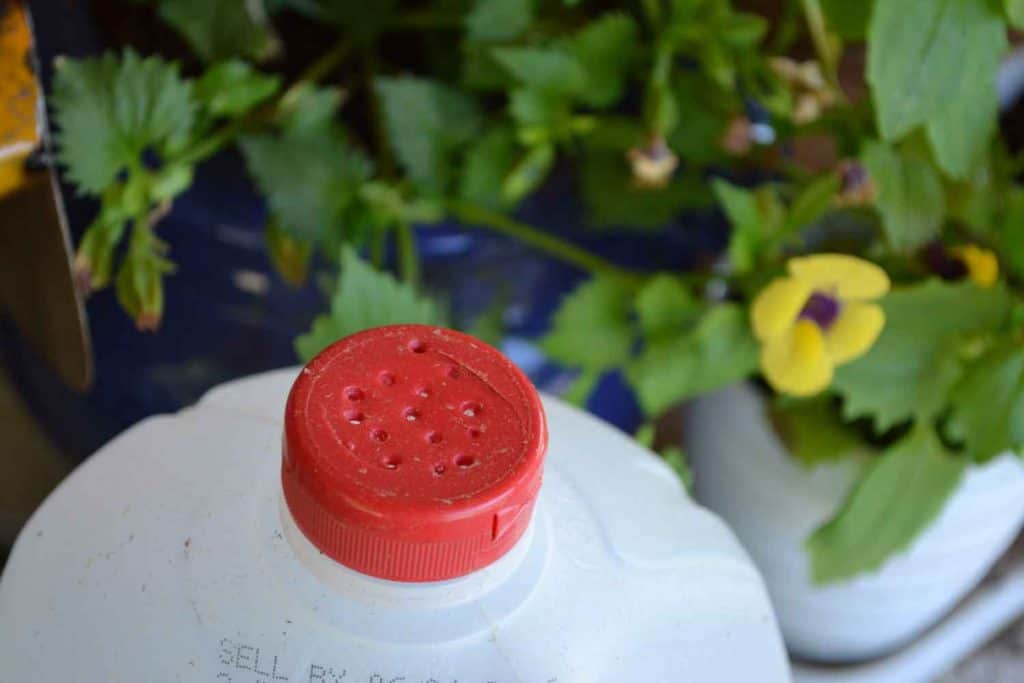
(411, 414)
(354, 416)
(423, 391)
(470, 409)
(439, 469)
(434, 437)
(390, 462)
(417, 346)
(463, 461)
(379, 435)
(473, 433)
(453, 372)
(386, 378)
(354, 394)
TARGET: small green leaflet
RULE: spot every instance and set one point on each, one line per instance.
(365, 298)
(988, 404)
(427, 123)
(592, 328)
(718, 351)
(497, 20)
(310, 176)
(233, 87)
(916, 361)
(549, 70)
(665, 307)
(220, 29)
(813, 430)
(757, 217)
(1014, 12)
(920, 57)
(111, 109)
(897, 497)
(910, 196)
(812, 202)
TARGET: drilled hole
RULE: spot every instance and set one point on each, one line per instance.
(464, 461)
(423, 392)
(379, 435)
(454, 372)
(390, 462)
(386, 378)
(473, 432)
(354, 416)
(433, 437)
(439, 469)
(417, 346)
(411, 414)
(470, 409)
(354, 394)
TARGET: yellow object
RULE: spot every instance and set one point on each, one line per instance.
(982, 265)
(817, 318)
(19, 97)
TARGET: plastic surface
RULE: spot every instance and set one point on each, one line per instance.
(412, 453)
(168, 556)
(743, 472)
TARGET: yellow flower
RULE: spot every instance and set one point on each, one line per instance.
(818, 317)
(982, 265)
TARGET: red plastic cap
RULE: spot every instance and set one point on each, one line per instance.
(412, 453)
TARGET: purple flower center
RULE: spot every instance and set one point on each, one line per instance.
(821, 309)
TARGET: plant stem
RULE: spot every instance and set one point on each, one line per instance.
(408, 256)
(474, 215)
(652, 10)
(819, 36)
(213, 143)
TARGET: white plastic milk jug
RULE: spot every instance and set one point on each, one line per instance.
(403, 537)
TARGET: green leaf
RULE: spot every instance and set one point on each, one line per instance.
(848, 19)
(233, 87)
(676, 459)
(961, 128)
(222, 28)
(898, 495)
(719, 351)
(111, 109)
(605, 48)
(545, 69)
(427, 123)
(665, 306)
(814, 200)
(582, 387)
(916, 361)
(756, 217)
(920, 56)
(910, 196)
(309, 176)
(703, 113)
(497, 20)
(488, 162)
(1014, 10)
(988, 405)
(645, 435)
(365, 298)
(528, 173)
(591, 328)
(813, 430)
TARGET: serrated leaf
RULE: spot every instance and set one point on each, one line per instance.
(665, 306)
(221, 29)
(310, 177)
(703, 113)
(719, 351)
(497, 20)
(813, 201)
(813, 430)
(234, 87)
(909, 195)
(1014, 10)
(538, 108)
(916, 361)
(898, 495)
(488, 162)
(365, 298)
(961, 128)
(919, 57)
(545, 69)
(111, 109)
(604, 48)
(427, 122)
(756, 217)
(591, 328)
(988, 404)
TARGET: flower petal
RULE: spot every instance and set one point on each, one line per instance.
(982, 265)
(796, 362)
(854, 332)
(847, 277)
(777, 306)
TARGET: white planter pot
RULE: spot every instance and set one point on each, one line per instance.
(743, 472)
